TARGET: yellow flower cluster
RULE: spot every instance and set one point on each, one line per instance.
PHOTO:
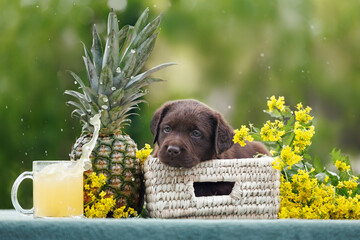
(303, 136)
(288, 157)
(305, 197)
(341, 166)
(101, 207)
(242, 135)
(274, 103)
(144, 153)
(97, 204)
(271, 131)
(351, 184)
(302, 195)
(124, 212)
(302, 115)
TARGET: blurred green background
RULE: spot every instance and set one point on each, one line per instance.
(231, 55)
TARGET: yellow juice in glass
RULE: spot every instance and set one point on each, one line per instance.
(58, 190)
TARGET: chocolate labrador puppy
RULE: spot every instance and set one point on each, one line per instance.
(188, 132)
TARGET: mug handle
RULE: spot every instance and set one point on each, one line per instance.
(14, 190)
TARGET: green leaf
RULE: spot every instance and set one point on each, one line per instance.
(96, 50)
(105, 118)
(274, 113)
(288, 138)
(81, 97)
(318, 165)
(141, 22)
(106, 81)
(289, 124)
(147, 31)
(126, 44)
(90, 93)
(144, 51)
(130, 64)
(111, 54)
(321, 177)
(77, 79)
(77, 106)
(112, 24)
(333, 177)
(144, 75)
(103, 102)
(116, 97)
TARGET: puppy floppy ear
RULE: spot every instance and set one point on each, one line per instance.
(157, 118)
(223, 135)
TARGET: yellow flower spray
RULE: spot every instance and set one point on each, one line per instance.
(305, 192)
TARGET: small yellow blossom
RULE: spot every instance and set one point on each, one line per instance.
(144, 153)
(326, 179)
(278, 164)
(341, 166)
(124, 212)
(242, 135)
(274, 103)
(289, 157)
(271, 131)
(303, 136)
(302, 115)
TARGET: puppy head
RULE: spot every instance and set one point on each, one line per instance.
(189, 132)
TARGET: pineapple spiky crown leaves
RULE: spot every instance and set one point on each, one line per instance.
(115, 84)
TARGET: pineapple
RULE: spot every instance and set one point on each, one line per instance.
(115, 88)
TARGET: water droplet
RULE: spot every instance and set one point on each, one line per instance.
(75, 82)
(155, 5)
(229, 107)
(132, 51)
(22, 119)
(113, 88)
(62, 130)
(46, 153)
(118, 70)
(6, 107)
(105, 99)
(26, 153)
(104, 107)
(22, 162)
(262, 54)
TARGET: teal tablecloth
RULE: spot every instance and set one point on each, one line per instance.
(15, 226)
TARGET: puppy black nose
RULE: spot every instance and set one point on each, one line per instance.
(173, 151)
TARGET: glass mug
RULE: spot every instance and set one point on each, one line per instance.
(57, 189)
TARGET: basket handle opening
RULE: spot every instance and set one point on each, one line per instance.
(206, 189)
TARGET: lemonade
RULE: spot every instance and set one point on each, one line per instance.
(58, 190)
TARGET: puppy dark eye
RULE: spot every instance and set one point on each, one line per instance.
(167, 129)
(196, 133)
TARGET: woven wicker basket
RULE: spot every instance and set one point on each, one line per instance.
(170, 191)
